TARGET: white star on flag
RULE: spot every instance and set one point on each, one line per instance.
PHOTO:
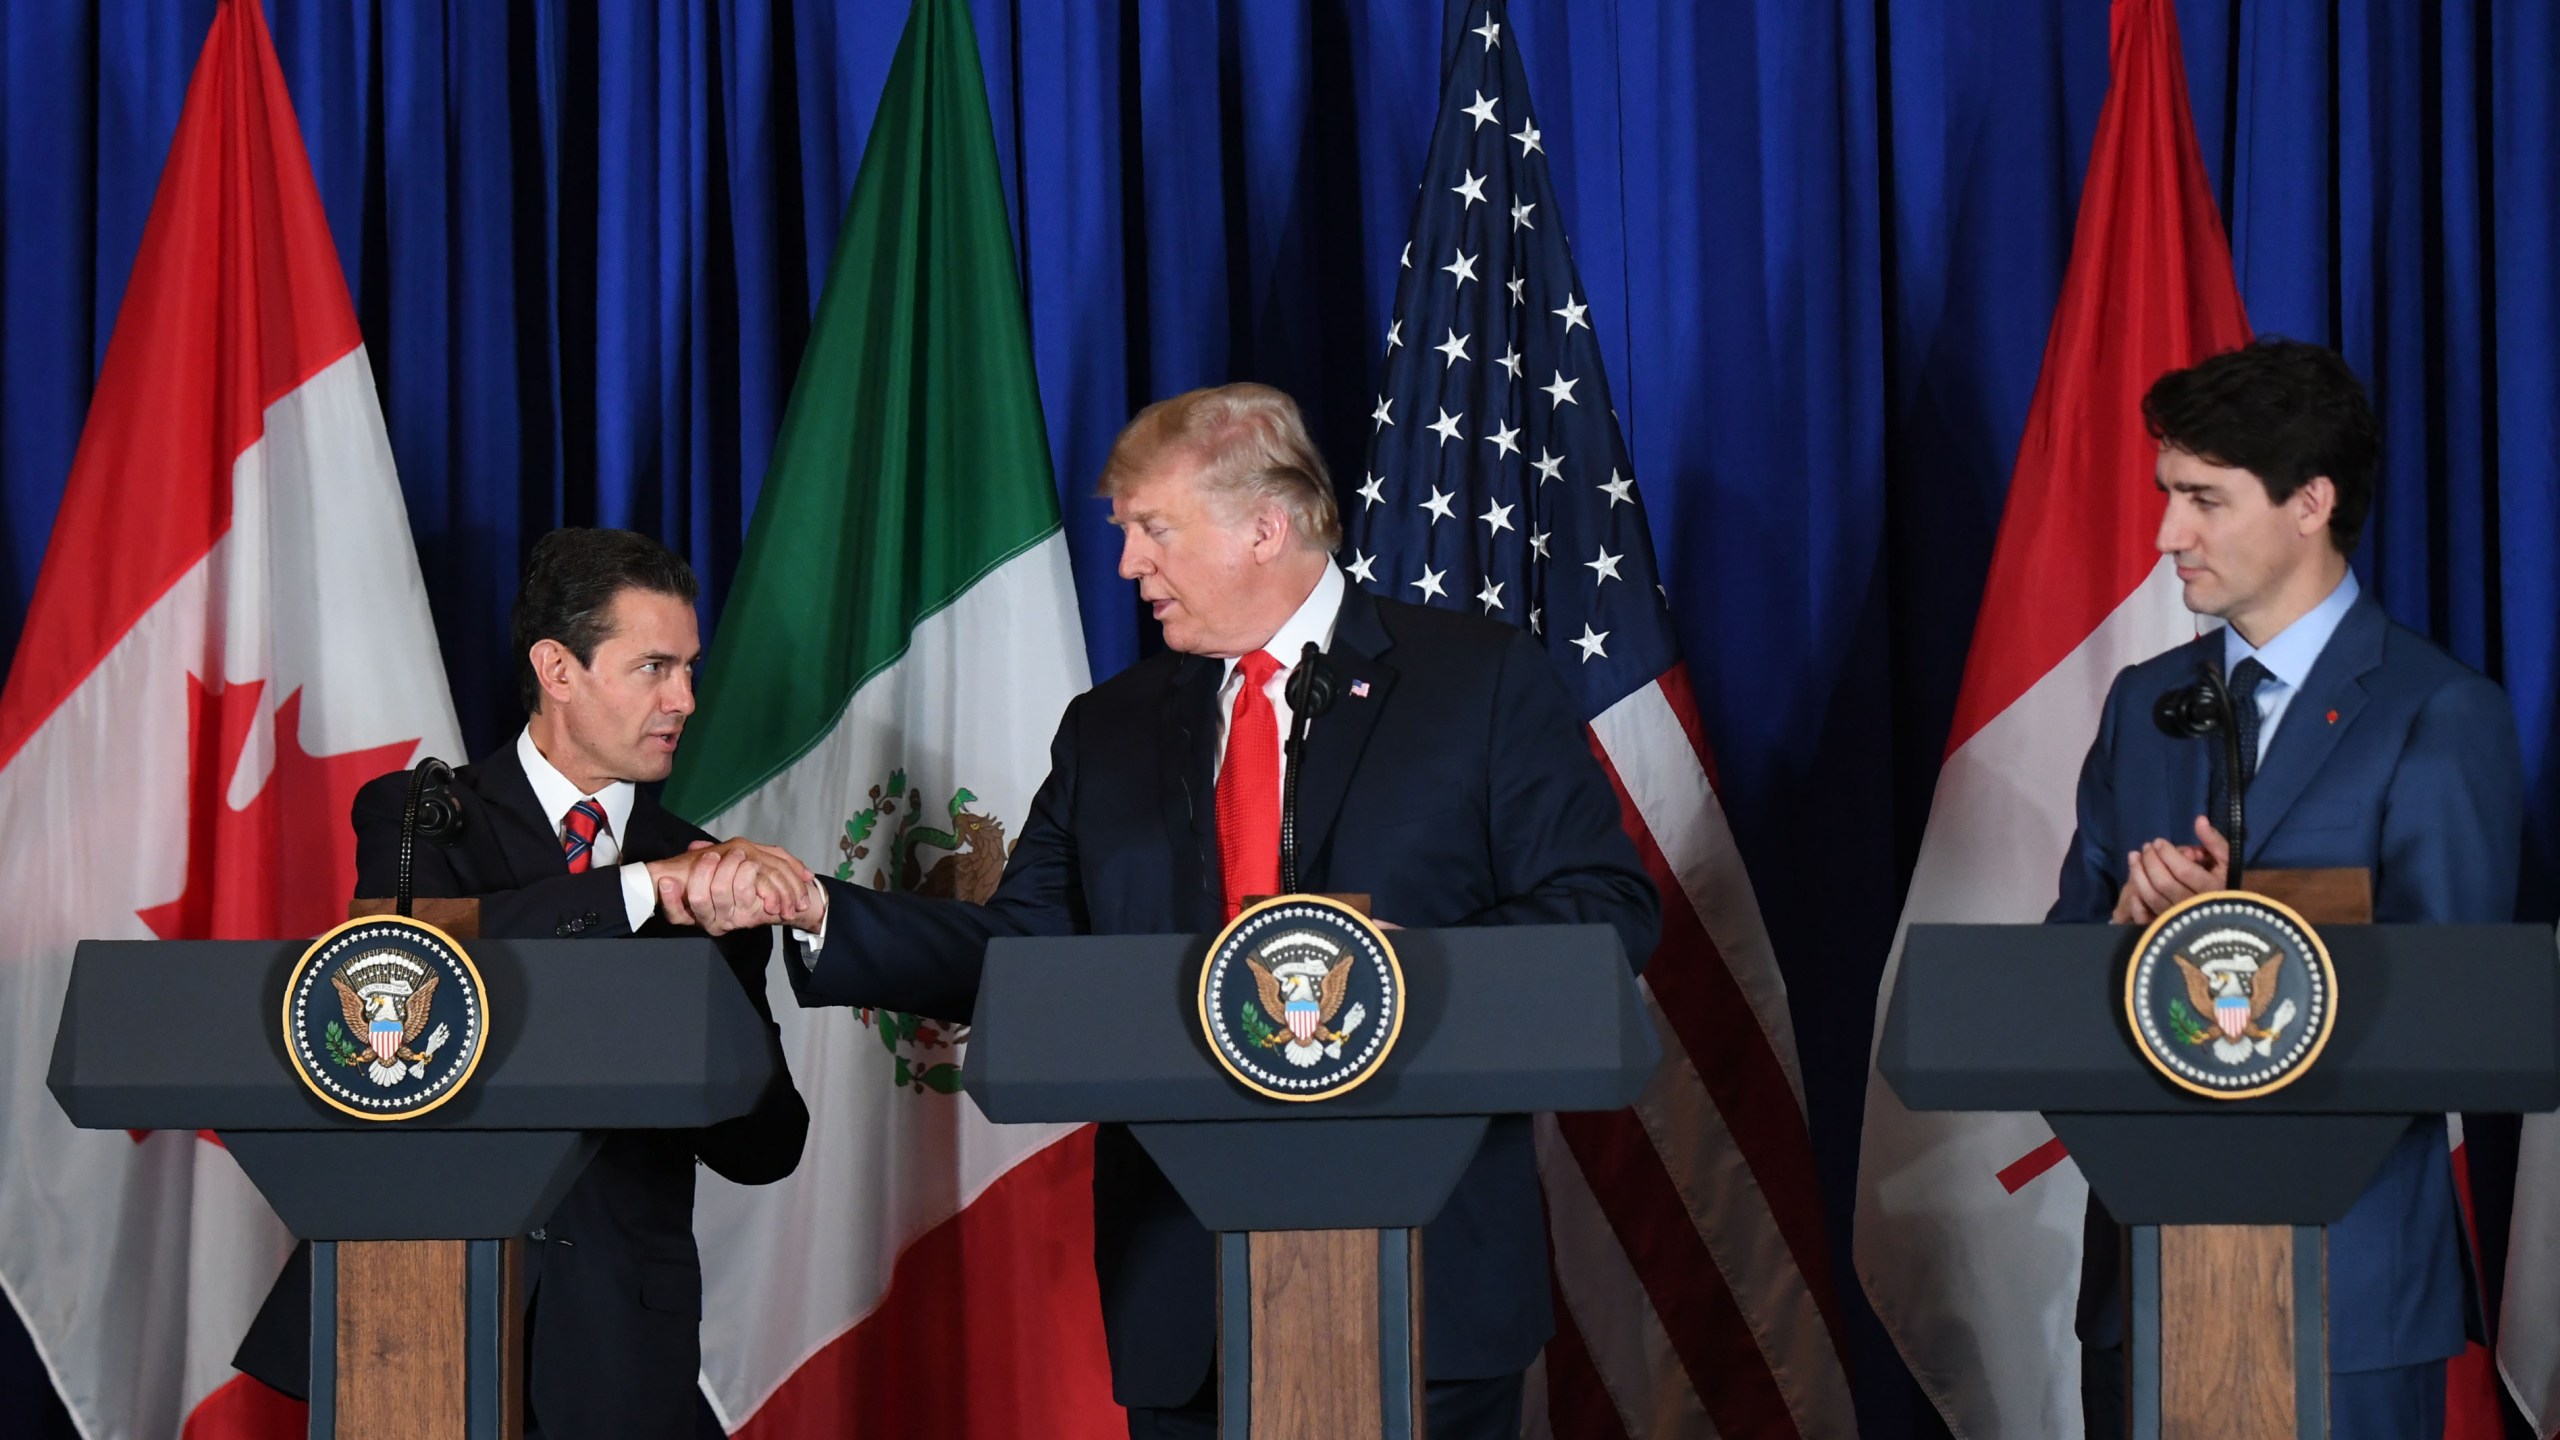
(1464, 267)
(1470, 189)
(1549, 467)
(1505, 438)
(1514, 285)
(1438, 505)
(1590, 640)
(1520, 215)
(1618, 490)
(1482, 110)
(1455, 348)
(1373, 490)
(1385, 413)
(1510, 360)
(1496, 518)
(1604, 568)
(1528, 138)
(1429, 584)
(1490, 597)
(1447, 425)
(1572, 312)
(1538, 542)
(1362, 567)
(1560, 392)
(1491, 32)
(1395, 335)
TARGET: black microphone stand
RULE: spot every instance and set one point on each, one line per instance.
(2198, 710)
(1310, 692)
(432, 811)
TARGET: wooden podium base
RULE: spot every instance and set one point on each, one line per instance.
(2228, 1333)
(1320, 1333)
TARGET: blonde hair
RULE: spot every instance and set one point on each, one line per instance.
(1250, 444)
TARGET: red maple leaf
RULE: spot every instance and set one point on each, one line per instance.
(283, 865)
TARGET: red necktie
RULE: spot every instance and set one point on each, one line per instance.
(578, 831)
(1249, 788)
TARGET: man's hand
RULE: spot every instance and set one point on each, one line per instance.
(2160, 874)
(735, 885)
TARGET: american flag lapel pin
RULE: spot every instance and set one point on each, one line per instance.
(1359, 689)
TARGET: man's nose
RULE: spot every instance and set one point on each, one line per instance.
(677, 698)
(1132, 564)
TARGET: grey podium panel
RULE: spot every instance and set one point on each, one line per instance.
(2031, 1017)
(1503, 1020)
(584, 1035)
(382, 1183)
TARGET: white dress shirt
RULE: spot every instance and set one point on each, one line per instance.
(1312, 622)
(2289, 656)
(557, 795)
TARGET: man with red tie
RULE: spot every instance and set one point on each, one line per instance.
(1451, 782)
(559, 839)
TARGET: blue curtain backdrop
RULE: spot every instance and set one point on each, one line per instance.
(1822, 240)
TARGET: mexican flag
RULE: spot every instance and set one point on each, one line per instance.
(228, 637)
(887, 673)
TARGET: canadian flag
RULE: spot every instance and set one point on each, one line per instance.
(229, 635)
(1968, 1232)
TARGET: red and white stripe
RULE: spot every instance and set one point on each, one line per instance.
(228, 636)
(1694, 1283)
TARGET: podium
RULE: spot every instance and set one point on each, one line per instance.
(2226, 1200)
(415, 1312)
(1500, 1021)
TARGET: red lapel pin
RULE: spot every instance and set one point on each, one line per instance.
(2333, 717)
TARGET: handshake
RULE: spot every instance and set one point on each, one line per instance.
(735, 885)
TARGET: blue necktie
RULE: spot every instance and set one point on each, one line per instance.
(2246, 677)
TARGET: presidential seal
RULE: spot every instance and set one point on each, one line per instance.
(385, 1017)
(1301, 998)
(2231, 995)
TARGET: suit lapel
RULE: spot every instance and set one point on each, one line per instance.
(526, 841)
(2306, 736)
(1338, 736)
(1186, 788)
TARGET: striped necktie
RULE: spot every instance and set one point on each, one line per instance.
(578, 831)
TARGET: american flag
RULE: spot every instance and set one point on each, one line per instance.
(1692, 1274)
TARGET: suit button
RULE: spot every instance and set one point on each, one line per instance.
(538, 1236)
(590, 919)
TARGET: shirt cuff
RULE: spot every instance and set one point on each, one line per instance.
(816, 939)
(639, 897)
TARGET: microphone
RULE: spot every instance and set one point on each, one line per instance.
(2191, 712)
(1310, 693)
(432, 811)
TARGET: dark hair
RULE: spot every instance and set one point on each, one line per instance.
(569, 588)
(2286, 412)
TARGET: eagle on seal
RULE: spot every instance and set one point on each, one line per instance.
(2236, 993)
(1305, 994)
(389, 1021)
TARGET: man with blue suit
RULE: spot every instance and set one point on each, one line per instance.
(2372, 749)
(1451, 782)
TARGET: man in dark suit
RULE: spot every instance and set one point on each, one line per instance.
(2370, 748)
(1451, 782)
(559, 840)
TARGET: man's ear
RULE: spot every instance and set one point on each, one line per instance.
(2313, 504)
(552, 662)
(1270, 532)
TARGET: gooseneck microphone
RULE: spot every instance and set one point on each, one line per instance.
(432, 811)
(1310, 694)
(2191, 712)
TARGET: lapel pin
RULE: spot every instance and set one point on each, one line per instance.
(2333, 717)
(1360, 691)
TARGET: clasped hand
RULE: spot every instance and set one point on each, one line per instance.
(2160, 874)
(735, 885)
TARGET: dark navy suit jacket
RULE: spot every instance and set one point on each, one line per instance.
(2395, 758)
(1459, 790)
(614, 1279)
